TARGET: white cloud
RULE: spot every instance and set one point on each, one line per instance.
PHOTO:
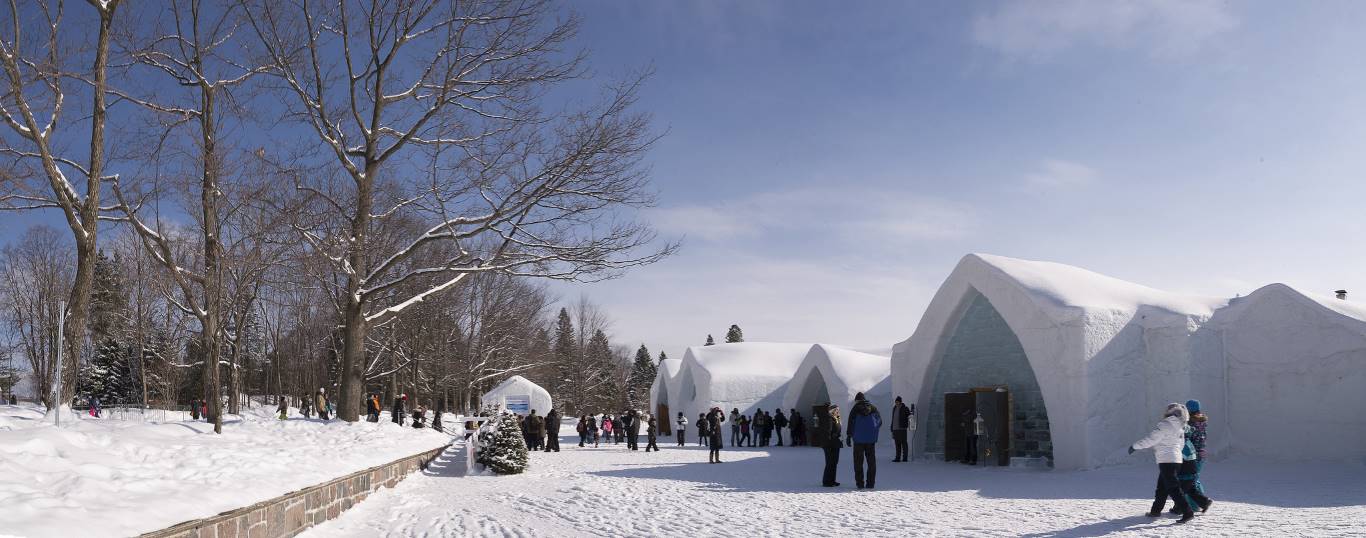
(1038, 30)
(850, 213)
(1058, 174)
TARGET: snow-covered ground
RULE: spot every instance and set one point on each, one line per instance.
(95, 477)
(775, 491)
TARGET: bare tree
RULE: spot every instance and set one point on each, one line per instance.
(33, 276)
(429, 110)
(187, 51)
(33, 97)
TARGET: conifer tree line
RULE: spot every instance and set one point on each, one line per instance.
(260, 197)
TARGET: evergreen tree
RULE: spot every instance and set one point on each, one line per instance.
(108, 301)
(734, 335)
(601, 390)
(662, 356)
(567, 390)
(642, 376)
(710, 341)
(506, 453)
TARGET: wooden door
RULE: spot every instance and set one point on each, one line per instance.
(663, 420)
(994, 446)
(957, 405)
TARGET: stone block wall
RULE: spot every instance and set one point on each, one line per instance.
(292, 513)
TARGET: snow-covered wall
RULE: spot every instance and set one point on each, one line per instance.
(1272, 369)
(519, 387)
(665, 390)
(746, 375)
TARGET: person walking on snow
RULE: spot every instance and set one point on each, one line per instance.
(397, 413)
(779, 423)
(593, 429)
(734, 426)
(901, 422)
(681, 429)
(607, 426)
(702, 433)
(322, 403)
(282, 408)
(1194, 461)
(372, 408)
(744, 430)
(1167, 440)
(552, 430)
(832, 447)
(714, 420)
(632, 424)
(582, 429)
(864, 425)
(651, 433)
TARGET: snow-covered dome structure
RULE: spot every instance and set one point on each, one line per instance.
(519, 395)
(1089, 360)
(664, 397)
(744, 375)
(832, 374)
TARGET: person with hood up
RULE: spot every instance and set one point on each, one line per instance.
(1167, 440)
(681, 428)
(714, 420)
(1194, 459)
(864, 425)
(780, 422)
(734, 426)
(651, 433)
(322, 403)
(552, 430)
(397, 413)
(832, 447)
(901, 421)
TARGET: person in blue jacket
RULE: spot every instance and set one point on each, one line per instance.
(861, 433)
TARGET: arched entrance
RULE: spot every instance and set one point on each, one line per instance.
(815, 399)
(662, 418)
(982, 354)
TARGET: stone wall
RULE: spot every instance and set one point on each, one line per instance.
(984, 352)
(290, 514)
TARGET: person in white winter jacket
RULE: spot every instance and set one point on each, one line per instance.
(1167, 440)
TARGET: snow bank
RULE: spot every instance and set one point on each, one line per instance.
(1107, 354)
(519, 395)
(97, 477)
(745, 375)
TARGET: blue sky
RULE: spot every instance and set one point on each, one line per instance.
(828, 164)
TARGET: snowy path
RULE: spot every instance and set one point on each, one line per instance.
(774, 492)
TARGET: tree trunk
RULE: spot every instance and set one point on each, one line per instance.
(353, 352)
(213, 274)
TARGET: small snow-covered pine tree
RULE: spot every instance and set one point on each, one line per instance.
(710, 341)
(734, 335)
(662, 356)
(507, 453)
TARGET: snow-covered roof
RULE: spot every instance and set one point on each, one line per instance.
(1061, 290)
(739, 375)
(666, 378)
(845, 372)
(520, 386)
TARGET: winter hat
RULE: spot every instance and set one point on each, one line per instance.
(1193, 405)
(859, 397)
(1177, 410)
(898, 399)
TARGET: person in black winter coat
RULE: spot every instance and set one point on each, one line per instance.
(714, 420)
(552, 431)
(436, 416)
(798, 428)
(397, 413)
(901, 422)
(632, 425)
(651, 433)
(702, 434)
(832, 448)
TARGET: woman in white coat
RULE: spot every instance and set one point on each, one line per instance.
(1167, 440)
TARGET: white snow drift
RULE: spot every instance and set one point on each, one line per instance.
(1280, 372)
